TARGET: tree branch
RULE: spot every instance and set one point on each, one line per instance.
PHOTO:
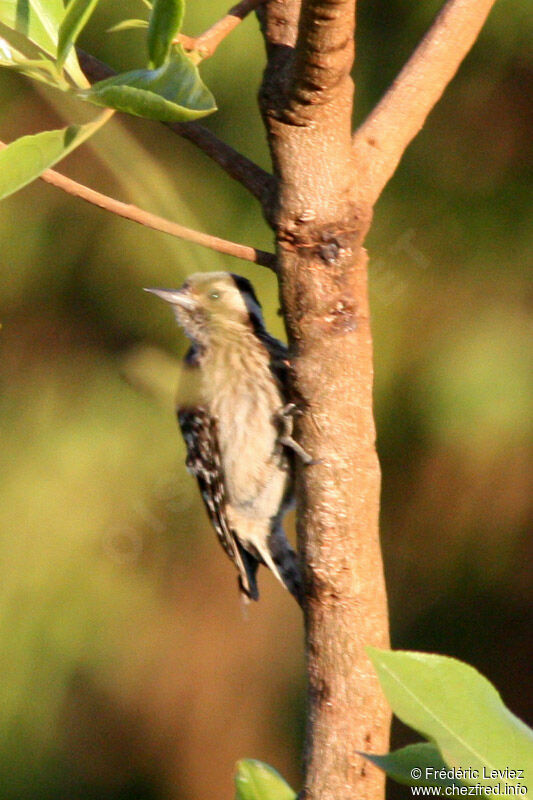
(380, 141)
(258, 182)
(136, 214)
(206, 44)
(324, 52)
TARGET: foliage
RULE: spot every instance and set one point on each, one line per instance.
(257, 781)
(169, 89)
(173, 92)
(164, 24)
(29, 156)
(422, 756)
(462, 716)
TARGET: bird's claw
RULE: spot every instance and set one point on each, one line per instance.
(285, 416)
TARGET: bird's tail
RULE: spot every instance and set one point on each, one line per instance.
(285, 564)
(247, 580)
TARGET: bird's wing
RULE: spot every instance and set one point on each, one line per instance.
(279, 361)
(199, 429)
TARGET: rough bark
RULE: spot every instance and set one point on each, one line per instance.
(306, 101)
(338, 527)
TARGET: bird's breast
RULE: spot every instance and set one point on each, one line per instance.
(244, 399)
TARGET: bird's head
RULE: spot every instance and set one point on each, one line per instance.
(213, 305)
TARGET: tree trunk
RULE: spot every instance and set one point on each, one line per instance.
(306, 101)
(338, 525)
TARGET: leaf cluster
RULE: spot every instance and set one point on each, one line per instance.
(37, 39)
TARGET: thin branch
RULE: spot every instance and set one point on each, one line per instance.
(380, 141)
(206, 44)
(136, 214)
(255, 179)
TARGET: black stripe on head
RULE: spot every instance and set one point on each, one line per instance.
(245, 287)
(250, 298)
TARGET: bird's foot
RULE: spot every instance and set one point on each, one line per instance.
(285, 417)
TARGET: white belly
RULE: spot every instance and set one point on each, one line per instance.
(244, 404)
(255, 471)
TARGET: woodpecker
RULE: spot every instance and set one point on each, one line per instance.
(236, 421)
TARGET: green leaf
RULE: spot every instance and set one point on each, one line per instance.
(455, 707)
(38, 21)
(75, 19)
(128, 25)
(172, 93)
(9, 55)
(16, 47)
(165, 22)
(415, 765)
(257, 781)
(28, 157)
(40, 69)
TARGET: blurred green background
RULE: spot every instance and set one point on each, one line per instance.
(127, 668)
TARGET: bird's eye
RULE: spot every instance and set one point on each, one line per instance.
(214, 295)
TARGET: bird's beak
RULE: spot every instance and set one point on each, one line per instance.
(176, 297)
